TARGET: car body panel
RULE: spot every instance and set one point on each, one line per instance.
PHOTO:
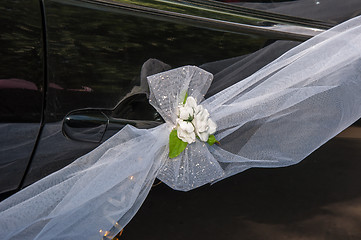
(97, 55)
(21, 87)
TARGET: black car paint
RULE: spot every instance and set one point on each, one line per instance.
(94, 59)
(91, 58)
(21, 87)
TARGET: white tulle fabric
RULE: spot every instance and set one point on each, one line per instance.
(274, 118)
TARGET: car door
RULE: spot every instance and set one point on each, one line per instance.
(98, 54)
(21, 87)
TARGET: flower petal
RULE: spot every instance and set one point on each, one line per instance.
(212, 126)
(203, 136)
(185, 112)
(191, 102)
(186, 126)
(186, 136)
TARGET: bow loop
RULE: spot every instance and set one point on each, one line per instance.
(168, 89)
(193, 168)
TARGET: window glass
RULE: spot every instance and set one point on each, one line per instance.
(332, 11)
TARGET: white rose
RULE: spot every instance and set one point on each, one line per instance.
(191, 102)
(185, 131)
(204, 126)
(212, 126)
(201, 116)
(186, 111)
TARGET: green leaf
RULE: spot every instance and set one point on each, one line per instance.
(212, 140)
(185, 98)
(176, 146)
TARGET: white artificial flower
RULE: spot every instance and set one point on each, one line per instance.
(186, 111)
(212, 126)
(185, 131)
(200, 118)
(191, 102)
(194, 120)
(204, 126)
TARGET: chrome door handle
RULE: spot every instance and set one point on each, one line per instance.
(96, 125)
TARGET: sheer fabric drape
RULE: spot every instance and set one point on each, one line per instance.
(273, 118)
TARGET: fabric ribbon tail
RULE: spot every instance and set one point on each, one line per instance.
(95, 196)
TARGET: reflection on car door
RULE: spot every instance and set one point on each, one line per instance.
(21, 87)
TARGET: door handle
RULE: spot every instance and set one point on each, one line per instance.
(96, 125)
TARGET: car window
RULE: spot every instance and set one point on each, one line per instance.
(331, 11)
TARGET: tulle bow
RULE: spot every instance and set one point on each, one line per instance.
(195, 166)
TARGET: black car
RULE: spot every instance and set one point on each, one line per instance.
(73, 72)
